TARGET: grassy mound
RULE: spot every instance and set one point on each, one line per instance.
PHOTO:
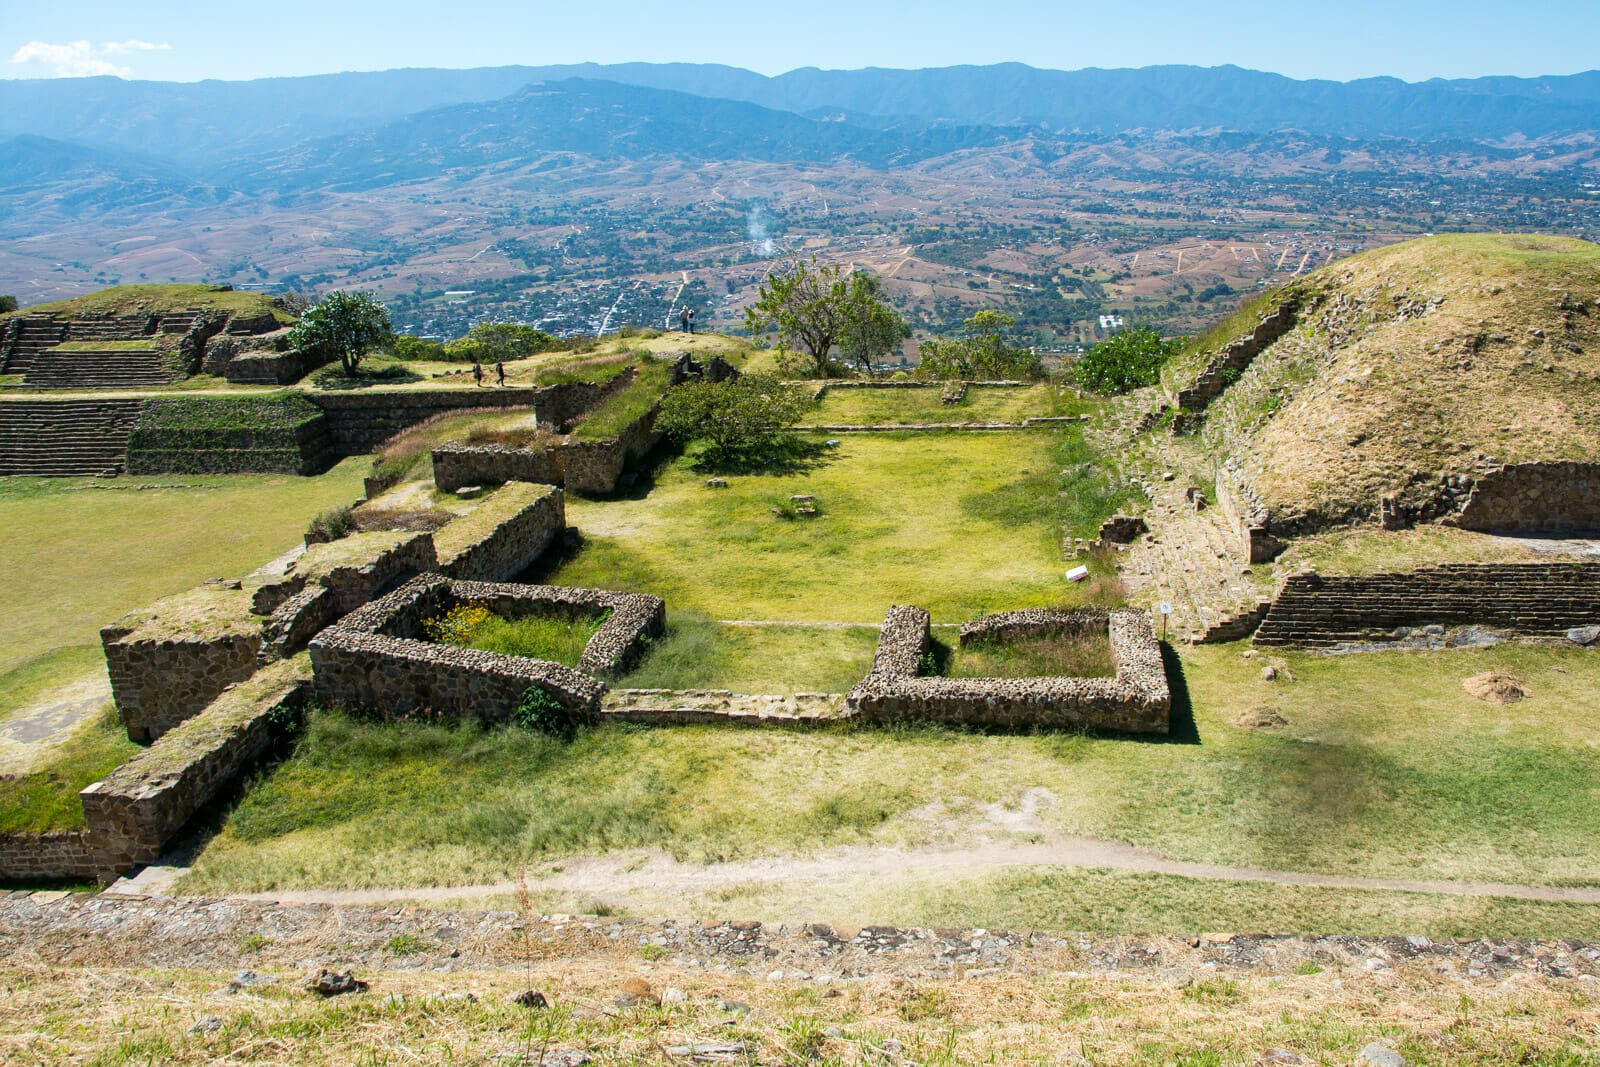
(159, 299)
(1440, 355)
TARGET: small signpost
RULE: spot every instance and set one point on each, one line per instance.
(1165, 609)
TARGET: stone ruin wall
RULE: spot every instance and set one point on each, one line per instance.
(590, 467)
(512, 546)
(1137, 700)
(136, 810)
(62, 855)
(157, 684)
(1534, 498)
(1234, 358)
(1542, 600)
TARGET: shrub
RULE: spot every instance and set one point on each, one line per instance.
(456, 626)
(331, 525)
(737, 417)
(407, 347)
(1126, 361)
(335, 377)
(539, 712)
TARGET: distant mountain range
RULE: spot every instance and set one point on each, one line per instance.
(878, 116)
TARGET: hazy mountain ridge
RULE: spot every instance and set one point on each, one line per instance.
(205, 123)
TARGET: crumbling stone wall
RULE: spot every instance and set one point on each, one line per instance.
(596, 466)
(1235, 357)
(1534, 498)
(504, 535)
(457, 465)
(1531, 599)
(1136, 700)
(1248, 516)
(136, 810)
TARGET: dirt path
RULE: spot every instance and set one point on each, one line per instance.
(656, 873)
(29, 734)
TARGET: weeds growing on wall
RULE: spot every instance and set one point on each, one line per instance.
(542, 713)
(331, 525)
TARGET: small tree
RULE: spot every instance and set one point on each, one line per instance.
(738, 417)
(7, 304)
(816, 307)
(1124, 361)
(494, 342)
(345, 326)
(983, 351)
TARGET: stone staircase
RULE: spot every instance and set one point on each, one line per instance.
(1531, 599)
(679, 707)
(34, 335)
(178, 322)
(57, 368)
(111, 328)
(1192, 559)
(62, 438)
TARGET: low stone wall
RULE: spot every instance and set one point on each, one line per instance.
(458, 464)
(134, 812)
(292, 625)
(229, 435)
(1535, 498)
(161, 675)
(1137, 700)
(271, 368)
(504, 535)
(359, 422)
(62, 855)
(374, 658)
(902, 642)
(1235, 357)
(1541, 600)
(1248, 516)
(595, 467)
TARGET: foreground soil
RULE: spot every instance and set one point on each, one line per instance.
(196, 980)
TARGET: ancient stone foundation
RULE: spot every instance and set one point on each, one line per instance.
(1136, 700)
(62, 855)
(1535, 498)
(376, 658)
(503, 536)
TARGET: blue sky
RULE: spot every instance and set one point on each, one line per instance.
(165, 40)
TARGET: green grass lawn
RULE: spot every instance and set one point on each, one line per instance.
(1387, 768)
(877, 406)
(1077, 655)
(80, 552)
(557, 640)
(958, 523)
(697, 653)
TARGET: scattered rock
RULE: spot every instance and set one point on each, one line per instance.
(636, 991)
(469, 492)
(1122, 529)
(531, 998)
(246, 979)
(673, 996)
(333, 984)
(737, 1007)
(709, 1051)
(1496, 687)
(1381, 1056)
(209, 1024)
(1261, 717)
(1269, 673)
(1584, 635)
(1278, 1057)
(716, 483)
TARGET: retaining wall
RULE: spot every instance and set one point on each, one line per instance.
(1542, 600)
(134, 812)
(61, 855)
(1137, 700)
(592, 467)
(1535, 498)
(1235, 357)
(504, 535)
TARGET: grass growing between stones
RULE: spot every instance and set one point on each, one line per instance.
(697, 653)
(1386, 768)
(944, 521)
(872, 407)
(80, 552)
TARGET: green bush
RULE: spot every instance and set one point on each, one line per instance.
(1125, 361)
(539, 712)
(331, 525)
(738, 417)
(409, 348)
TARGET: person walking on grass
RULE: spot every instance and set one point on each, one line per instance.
(500, 370)
(477, 373)
(691, 320)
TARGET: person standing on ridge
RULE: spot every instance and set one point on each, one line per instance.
(683, 320)
(691, 320)
(477, 373)
(500, 370)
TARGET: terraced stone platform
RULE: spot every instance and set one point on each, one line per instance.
(65, 438)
